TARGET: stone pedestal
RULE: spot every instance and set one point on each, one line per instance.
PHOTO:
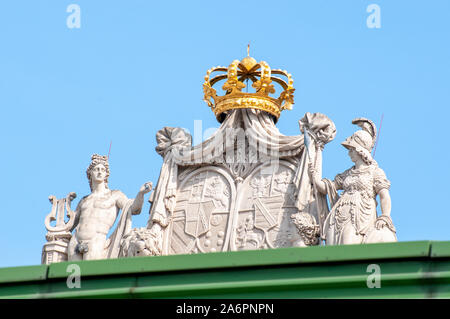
(54, 251)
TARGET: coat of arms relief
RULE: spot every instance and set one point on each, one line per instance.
(211, 215)
(201, 216)
(238, 194)
(246, 187)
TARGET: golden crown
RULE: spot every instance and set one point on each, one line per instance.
(261, 76)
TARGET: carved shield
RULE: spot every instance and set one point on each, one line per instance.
(267, 210)
(201, 219)
(211, 215)
(264, 209)
(197, 218)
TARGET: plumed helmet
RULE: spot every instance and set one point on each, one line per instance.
(363, 140)
(359, 139)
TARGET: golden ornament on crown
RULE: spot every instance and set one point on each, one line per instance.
(262, 78)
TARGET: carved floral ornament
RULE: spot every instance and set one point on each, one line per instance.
(172, 138)
(319, 126)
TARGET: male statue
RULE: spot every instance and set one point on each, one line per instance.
(96, 214)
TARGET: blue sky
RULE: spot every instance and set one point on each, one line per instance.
(136, 66)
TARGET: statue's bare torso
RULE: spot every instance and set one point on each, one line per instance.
(97, 215)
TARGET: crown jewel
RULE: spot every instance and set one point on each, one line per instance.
(262, 78)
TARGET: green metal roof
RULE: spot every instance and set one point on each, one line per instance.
(408, 269)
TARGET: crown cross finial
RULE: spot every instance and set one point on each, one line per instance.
(248, 49)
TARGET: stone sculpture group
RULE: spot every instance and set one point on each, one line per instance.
(246, 187)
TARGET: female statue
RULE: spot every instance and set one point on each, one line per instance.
(353, 216)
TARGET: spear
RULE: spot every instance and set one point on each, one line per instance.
(109, 149)
(307, 142)
(378, 135)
